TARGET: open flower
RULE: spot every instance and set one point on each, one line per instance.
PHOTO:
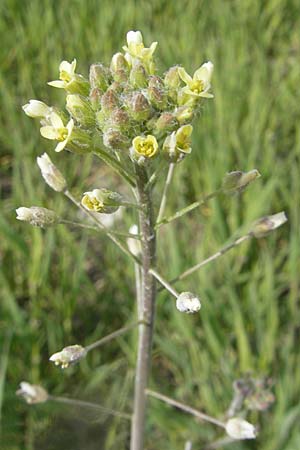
(32, 393)
(199, 85)
(178, 143)
(135, 49)
(57, 131)
(37, 109)
(69, 355)
(102, 201)
(69, 80)
(143, 147)
(238, 428)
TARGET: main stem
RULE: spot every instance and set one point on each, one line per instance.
(147, 315)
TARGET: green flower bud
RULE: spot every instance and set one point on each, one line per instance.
(188, 303)
(37, 216)
(172, 79)
(119, 119)
(156, 93)
(51, 174)
(100, 77)
(119, 67)
(165, 123)
(184, 114)
(80, 109)
(109, 101)
(95, 98)
(114, 139)
(139, 107)
(138, 76)
(102, 201)
(237, 180)
(267, 224)
(68, 355)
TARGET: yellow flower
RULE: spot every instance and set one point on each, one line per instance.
(66, 73)
(135, 49)
(145, 146)
(57, 131)
(102, 201)
(178, 143)
(199, 85)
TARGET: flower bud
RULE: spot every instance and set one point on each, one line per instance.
(178, 144)
(134, 245)
(119, 119)
(118, 62)
(32, 393)
(69, 355)
(80, 109)
(237, 181)
(139, 107)
(51, 174)
(95, 98)
(109, 101)
(37, 216)
(37, 109)
(184, 114)
(238, 428)
(115, 139)
(102, 201)
(143, 148)
(165, 123)
(266, 224)
(172, 79)
(188, 303)
(156, 93)
(100, 77)
(138, 76)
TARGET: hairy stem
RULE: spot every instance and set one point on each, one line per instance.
(148, 306)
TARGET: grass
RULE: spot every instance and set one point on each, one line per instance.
(59, 287)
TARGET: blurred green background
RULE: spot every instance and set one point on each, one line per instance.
(63, 286)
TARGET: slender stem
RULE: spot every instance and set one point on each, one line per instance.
(115, 165)
(153, 177)
(186, 408)
(75, 402)
(164, 283)
(187, 209)
(165, 193)
(97, 228)
(148, 309)
(211, 258)
(103, 227)
(111, 336)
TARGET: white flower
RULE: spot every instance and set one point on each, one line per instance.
(188, 303)
(37, 216)
(135, 49)
(238, 428)
(51, 174)
(66, 73)
(37, 109)
(134, 245)
(266, 224)
(68, 355)
(32, 393)
(58, 131)
(199, 85)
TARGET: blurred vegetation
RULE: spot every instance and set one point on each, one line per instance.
(63, 286)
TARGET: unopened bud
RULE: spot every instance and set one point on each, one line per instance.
(32, 393)
(165, 123)
(267, 224)
(188, 303)
(119, 119)
(156, 93)
(37, 216)
(237, 181)
(102, 201)
(118, 62)
(68, 355)
(37, 109)
(138, 76)
(113, 138)
(81, 110)
(95, 98)
(172, 79)
(184, 114)
(100, 77)
(109, 101)
(51, 174)
(139, 107)
(237, 428)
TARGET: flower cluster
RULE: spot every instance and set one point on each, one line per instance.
(125, 107)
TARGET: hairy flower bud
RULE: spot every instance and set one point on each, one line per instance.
(68, 355)
(156, 93)
(267, 224)
(238, 428)
(165, 123)
(119, 119)
(172, 79)
(109, 101)
(100, 77)
(113, 138)
(95, 98)
(102, 201)
(138, 76)
(184, 114)
(37, 109)
(32, 393)
(37, 216)
(237, 181)
(81, 110)
(139, 107)
(51, 174)
(188, 303)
